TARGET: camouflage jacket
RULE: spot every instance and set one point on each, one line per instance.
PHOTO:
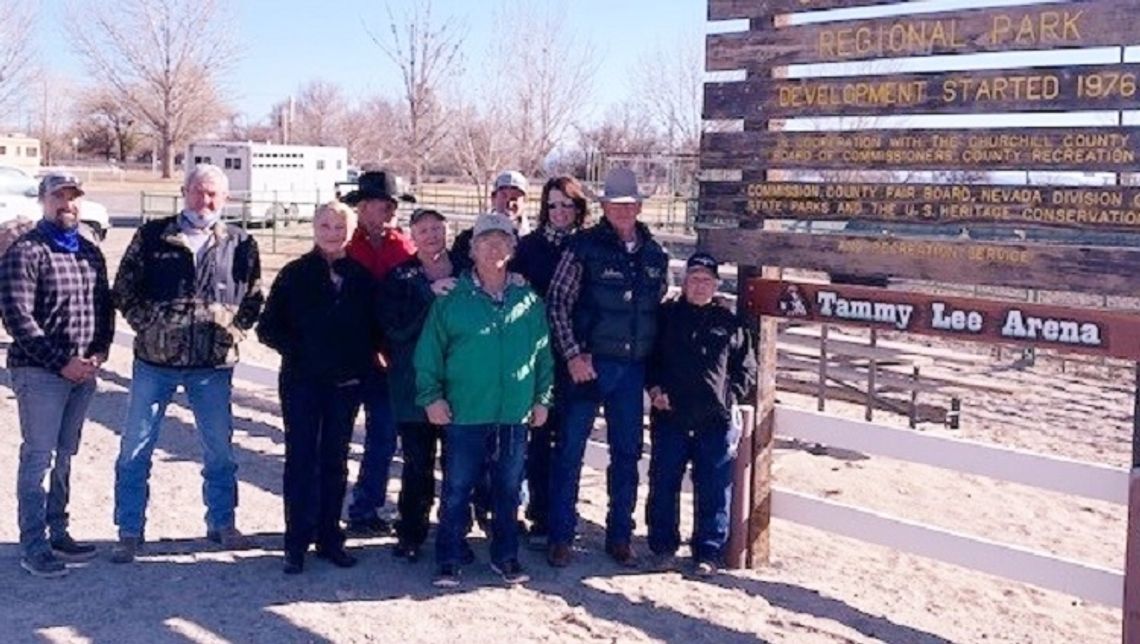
(188, 315)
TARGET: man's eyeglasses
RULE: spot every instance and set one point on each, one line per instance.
(560, 204)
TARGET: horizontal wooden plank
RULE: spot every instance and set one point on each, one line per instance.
(740, 9)
(1053, 25)
(1106, 271)
(1086, 581)
(1043, 89)
(1101, 208)
(1107, 149)
(1054, 473)
(1091, 332)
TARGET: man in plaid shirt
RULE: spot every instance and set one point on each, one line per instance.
(56, 304)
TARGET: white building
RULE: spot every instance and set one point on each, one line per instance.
(20, 151)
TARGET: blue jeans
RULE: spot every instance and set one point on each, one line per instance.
(711, 448)
(469, 449)
(619, 387)
(371, 489)
(51, 410)
(152, 387)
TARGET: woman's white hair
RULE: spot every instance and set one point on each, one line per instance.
(204, 172)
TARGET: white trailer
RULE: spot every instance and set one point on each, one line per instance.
(271, 183)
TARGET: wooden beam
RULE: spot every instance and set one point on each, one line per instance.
(1039, 89)
(1086, 149)
(741, 9)
(1108, 271)
(1088, 208)
(1055, 24)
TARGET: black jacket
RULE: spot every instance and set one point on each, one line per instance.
(616, 312)
(405, 298)
(322, 333)
(704, 359)
(535, 259)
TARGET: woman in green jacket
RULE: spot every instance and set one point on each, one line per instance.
(484, 371)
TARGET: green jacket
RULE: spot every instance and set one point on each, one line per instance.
(490, 361)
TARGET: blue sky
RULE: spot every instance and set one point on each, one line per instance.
(288, 42)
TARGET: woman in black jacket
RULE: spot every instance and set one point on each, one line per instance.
(320, 317)
(562, 212)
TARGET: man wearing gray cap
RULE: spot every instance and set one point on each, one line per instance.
(507, 198)
(55, 302)
(603, 303)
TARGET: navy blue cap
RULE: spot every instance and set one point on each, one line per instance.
(705, 261)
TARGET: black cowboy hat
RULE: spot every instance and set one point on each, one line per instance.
(377, 185)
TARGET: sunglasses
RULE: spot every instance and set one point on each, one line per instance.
(560, 204)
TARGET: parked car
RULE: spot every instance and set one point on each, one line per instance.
(18, 200)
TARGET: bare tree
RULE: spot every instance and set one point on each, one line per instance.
(552, 83)
(625, 128)
(670, 81)
(16, 65)
(51, 117)
(427, 54)
(320, 111)
(165, 58)
(371, 133)
(106, 126)
(478, 146)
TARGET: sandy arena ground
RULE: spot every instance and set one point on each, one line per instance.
(819, 587)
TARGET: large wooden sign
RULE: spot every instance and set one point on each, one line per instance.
(1110, 271)
(1052, 25)
(1107, 149)
(1101, 208)
(1046, 89)
(1066, 329)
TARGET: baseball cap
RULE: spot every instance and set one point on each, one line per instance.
(420, 213)
(491, 222)
(51, 183)
(705, 261)
(511, 179)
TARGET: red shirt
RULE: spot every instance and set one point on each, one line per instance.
(395, 248)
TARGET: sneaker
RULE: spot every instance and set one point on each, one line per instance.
(446, 577)
(337, 557)
(706, 569)
(511, 571)
(559, 555)
(622, 553)
(664, 562)
(372, 526)
(230, 539)
(44, 565)
(537, 539)
(406, 551)
(68, 549)
(125, 550)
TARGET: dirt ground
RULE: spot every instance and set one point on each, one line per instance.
(819, 587)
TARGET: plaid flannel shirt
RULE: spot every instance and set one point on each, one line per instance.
(56, 305)
(565, 287)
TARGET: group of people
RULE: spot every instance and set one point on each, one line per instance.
(494, 355)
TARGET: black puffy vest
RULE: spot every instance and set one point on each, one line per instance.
(616, 313)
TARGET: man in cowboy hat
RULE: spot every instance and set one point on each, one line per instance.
(379, 245)
(603, 305)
